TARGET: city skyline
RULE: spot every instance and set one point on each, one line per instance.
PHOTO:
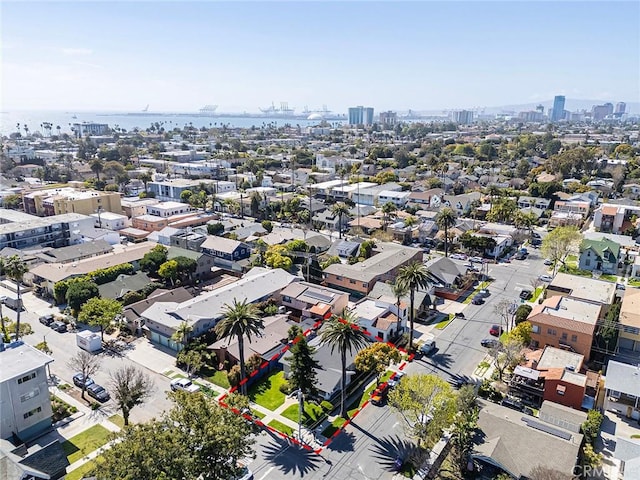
(241, 56)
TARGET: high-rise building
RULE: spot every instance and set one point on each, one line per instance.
(388, 119)
(621, 107)
(599, 112)
(464, 117)
(557, 113)
(361, 115)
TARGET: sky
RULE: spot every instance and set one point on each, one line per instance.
(420, 55)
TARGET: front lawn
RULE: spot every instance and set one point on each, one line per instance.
(311, 414)
(117, 420)
(633, 282)
(217, 377)
(610, 278)
(536, 293)
(333, 427)
(281, 427)
(84, 469)
(266, 392)
(86, 442)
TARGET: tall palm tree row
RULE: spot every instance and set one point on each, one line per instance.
(343, 333)
(413, 276)
(446, 219)
(240, 320)
(14, 268)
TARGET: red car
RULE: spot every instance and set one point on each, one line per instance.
(495, 330)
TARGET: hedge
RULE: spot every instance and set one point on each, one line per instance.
(99, 277)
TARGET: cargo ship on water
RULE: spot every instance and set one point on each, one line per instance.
(283, 111)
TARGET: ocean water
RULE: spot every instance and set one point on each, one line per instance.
(34, 120)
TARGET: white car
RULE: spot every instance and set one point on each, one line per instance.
(393, 382)
(545, 278)
(184, 384)
(458, 256)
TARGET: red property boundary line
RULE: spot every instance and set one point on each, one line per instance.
(284, 350)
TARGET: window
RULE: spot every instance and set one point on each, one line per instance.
(338, 277)
(31, 413)
(352, 282)
(26, 378)
(551, 331)
(560, 389)
(564, 335)
(30, 395)
(535, 329)
(587, 262)
(574, 338)
(286, 298)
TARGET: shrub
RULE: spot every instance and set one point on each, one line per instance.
(286, 388)
(233, 376)
(326, 406)
(591, 427)
(132, 297)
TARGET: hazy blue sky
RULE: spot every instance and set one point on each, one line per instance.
(242, 55)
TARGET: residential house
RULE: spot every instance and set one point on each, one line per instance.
(204, 262)
(380, 318)
(534, 202)
(171, 190)
(622, 394)
(329, 373)
(565, 219)
(449, 279)
(202, 313)
(124, 284)
(33, 461)
(163, 237)
(26, 406)
(268, 345)
(566, 323)
(462, 203)
(187, 239)
(506, 439)
(591, 290)
(600, 255)
(46, 275)
(306, 300)
(168, 209)
(555, 375)
(323, 189)
(631, 190)
(134, 206)
(629, 320)
(75, 253)
(348, 248)
(399, 199)
(328, 220)
(133, 312)
(422, 300)
(635, 268)
(628, 453)
(370, 196)
(367, 224)
(615, 218)
(345, 192)
(225, 249)
(426, 199)
(384, 264)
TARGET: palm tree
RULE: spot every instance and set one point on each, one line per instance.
(14, 268)
(446, 219)
(413, 276)
(344, 334)
(97, 166)
(388, 209)
(181, 335)
(241, 320)
(340, 209)
(400, 290)
(145, 178)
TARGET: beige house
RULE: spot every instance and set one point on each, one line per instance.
(56, 201)
(629, 333)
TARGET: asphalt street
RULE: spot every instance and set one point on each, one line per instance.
(368, 447)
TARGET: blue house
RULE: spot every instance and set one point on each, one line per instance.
(225, 248)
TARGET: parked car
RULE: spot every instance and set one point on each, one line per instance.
(620, 286)
(489, 343)
(520, 256)
(495, 330)
(477, 300)
(245, 473)
(46, 320)
(393, 382)
(548, 261)
(98, 392)
(379, 396)
(60, 327)
(79, 379)
(545, 278)
(475, 260)
(184, 384)
(484, 292)
(428, 346)
(526, 294)
(458, 256)
(514, 404)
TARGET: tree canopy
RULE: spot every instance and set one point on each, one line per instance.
(100, 312)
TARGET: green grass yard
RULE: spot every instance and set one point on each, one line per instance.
(86, 442)
(266, 392)
(312, 413)
(117, 420)
(281, 427)
(82, 471)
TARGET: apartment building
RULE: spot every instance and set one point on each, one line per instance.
(56, 201)
(629, 334)
(26, 406)
(21, 230)
(565, 323)
(168, 209)
(170, 190)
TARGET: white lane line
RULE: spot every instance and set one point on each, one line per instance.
(267, 473)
